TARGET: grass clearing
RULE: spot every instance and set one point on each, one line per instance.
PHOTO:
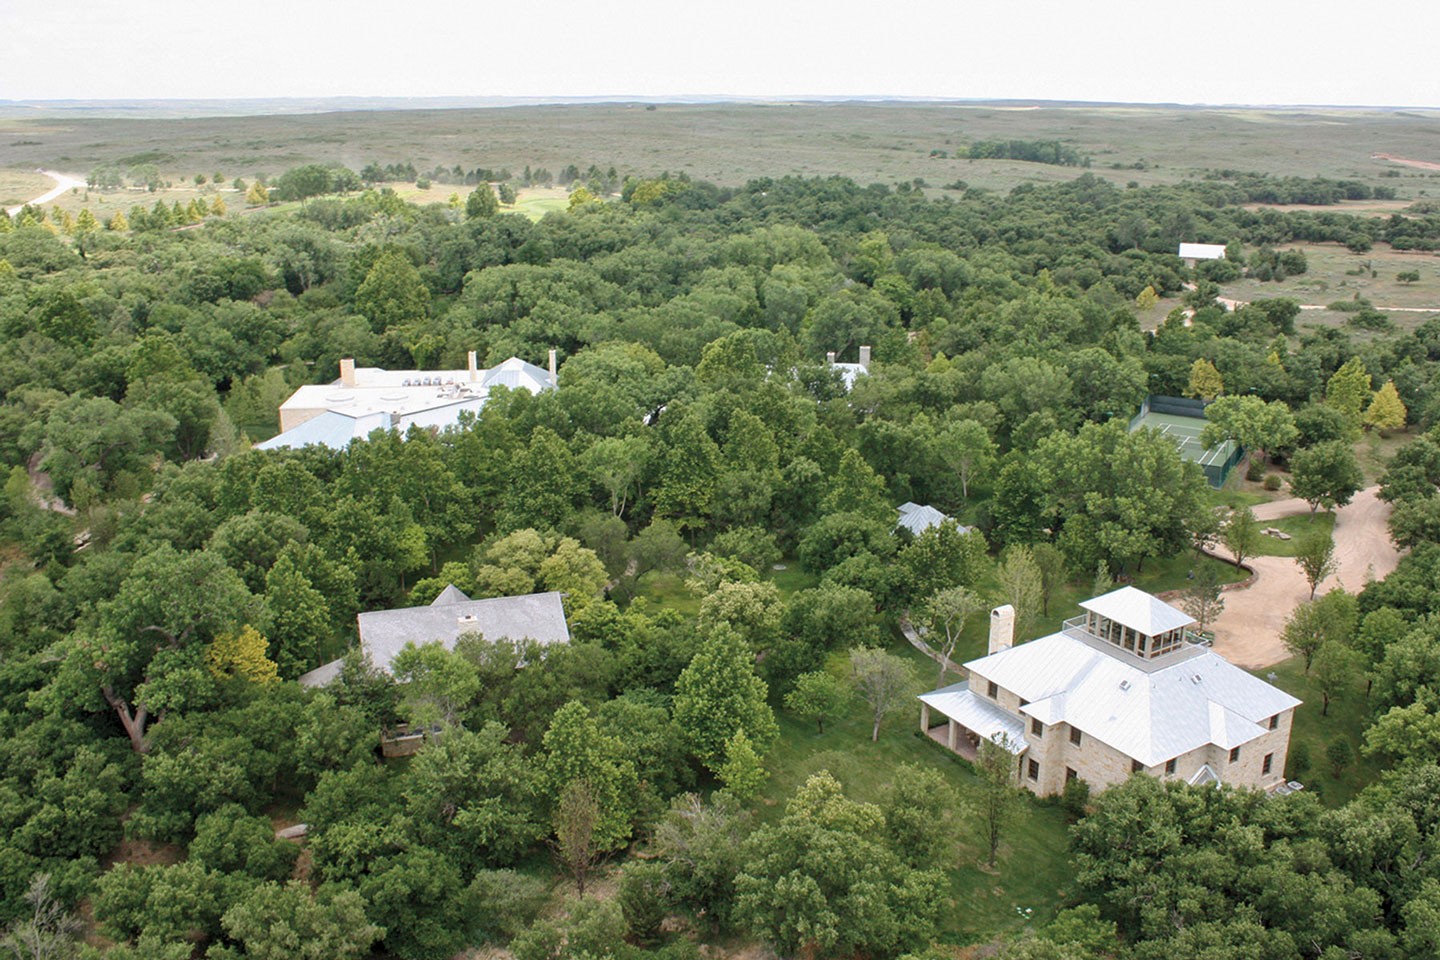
(1334, 273)
(730, 143)
(21, 186)
(1033, 869)
(1347, 718)
(1299, 527)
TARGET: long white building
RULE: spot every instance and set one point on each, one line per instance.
(366, 399)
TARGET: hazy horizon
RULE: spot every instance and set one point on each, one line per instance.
(1285, 53)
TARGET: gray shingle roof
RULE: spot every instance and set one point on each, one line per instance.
(383, 633)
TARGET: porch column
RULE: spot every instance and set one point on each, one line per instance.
(925, 718)
(954, 737)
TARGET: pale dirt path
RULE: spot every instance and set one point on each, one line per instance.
(1247, 633)
(62, 184)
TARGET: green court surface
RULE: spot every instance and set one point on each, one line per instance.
(1185, 431)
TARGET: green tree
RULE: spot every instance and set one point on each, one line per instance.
(1205, 381)
(816, 695)
(999, 791)
(718, 694)
(743, 772)
(1327, 474)
(1348, 390)
(884, 680)
(438, 684)
(1336, 667)
(1305, 632)
(1202, 598)
(1021, 585)
(578, 751)
(1315, 555)
(392, 293)
(1241, 534)
(277, 921)
(917, 804)
(823, 882)
(1251, 422)
(144, 652)
(481, 203)
(947, 610)
(969, 451)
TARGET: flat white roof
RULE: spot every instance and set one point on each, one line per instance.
(1202, 251)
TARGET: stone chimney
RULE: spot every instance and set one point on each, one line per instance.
(554, 372)
(830, 359)
(347, 371)
(865, 359)
(1002, 628)
(472, 364)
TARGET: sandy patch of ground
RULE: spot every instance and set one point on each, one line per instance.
(1406, 161)
(1247, 633)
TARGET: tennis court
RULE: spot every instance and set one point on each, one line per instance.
(1216, 461)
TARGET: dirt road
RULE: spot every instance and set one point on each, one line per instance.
(1248, 631)
(62, 184)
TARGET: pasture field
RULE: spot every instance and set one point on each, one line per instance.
(1334, 273)
(732, 143)
(18, 186)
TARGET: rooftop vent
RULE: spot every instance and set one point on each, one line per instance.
(1195, 678)
(466, 618)
(1124, 684)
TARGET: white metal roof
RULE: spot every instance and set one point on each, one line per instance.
(1147, 712)
(1202, 251)
(1138, 610)
(957, 703)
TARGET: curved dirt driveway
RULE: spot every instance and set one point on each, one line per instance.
(1247, 633)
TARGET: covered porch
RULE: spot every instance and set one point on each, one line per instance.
(958, 719)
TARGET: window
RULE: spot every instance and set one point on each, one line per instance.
(1036, 727)
(1136, 766)
(1170, 766)
(1269, 759)
(992, 691)
(1075, 736)
(1234, 754)
(1275, 721)
(1070, 775)
(1033, 770)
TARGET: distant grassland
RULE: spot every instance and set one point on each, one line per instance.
(732, 143)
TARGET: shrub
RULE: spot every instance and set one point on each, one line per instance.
(1272, 481)
(1075, 798)
(1255, 470)
(1299, 760)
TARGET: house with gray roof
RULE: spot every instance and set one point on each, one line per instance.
(1122, 689)
(539, 617)
(919, 517)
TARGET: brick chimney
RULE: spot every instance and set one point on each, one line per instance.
(347, 371)
(865, 359)
(1002, 628)
(830, 359)
(472, 365)
(554, 372)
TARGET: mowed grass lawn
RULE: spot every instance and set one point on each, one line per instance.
(981, 902)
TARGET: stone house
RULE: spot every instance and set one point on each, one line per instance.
(1122, 689)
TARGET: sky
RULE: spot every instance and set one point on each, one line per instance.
(1262, 52)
